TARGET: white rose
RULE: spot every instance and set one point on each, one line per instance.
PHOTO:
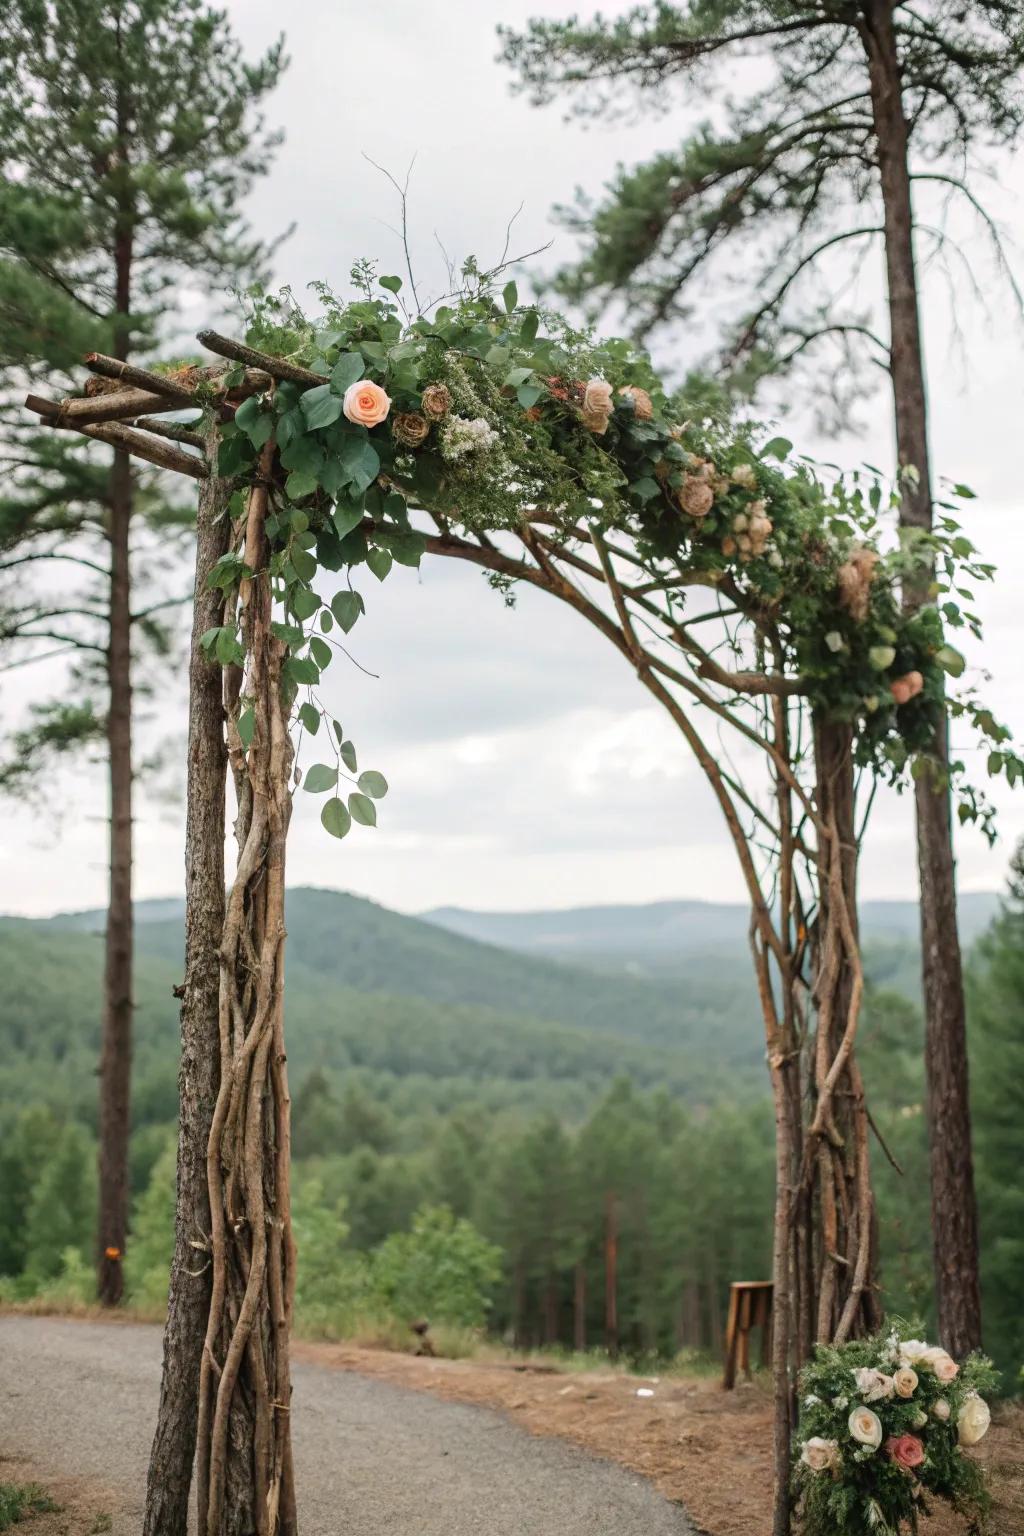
(973, 1421)
(866, 1427)
(920, 1419)
(941, 1409)
(905, 1381)
(913, 1350)
(943, 1365)
(872, 1384)
(820, 1454)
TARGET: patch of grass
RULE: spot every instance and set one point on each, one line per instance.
(20, 1500)
(100, 1524)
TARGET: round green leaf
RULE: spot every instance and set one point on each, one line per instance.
(363, 810)
(319, 778)
(335, 818)
(373, 784)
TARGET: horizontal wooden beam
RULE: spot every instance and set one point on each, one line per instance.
(177, 431)
(141, 378)
(120, 406)
(139, 444)
(277, 367)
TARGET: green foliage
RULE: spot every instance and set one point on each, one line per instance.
(779, 179)
(147, 1261)
(863, 1489)
(112, 192)
(482, 413)
(443, 1269)
(60, 1210)
(996, 1002)
(19, 1501)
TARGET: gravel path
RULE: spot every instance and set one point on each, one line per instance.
(79, 1399)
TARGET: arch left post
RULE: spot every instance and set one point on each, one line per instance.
(188, 1305)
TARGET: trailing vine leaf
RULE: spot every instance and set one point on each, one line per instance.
(363, 810)
(335, 818)
(373, 784)
(319, 778)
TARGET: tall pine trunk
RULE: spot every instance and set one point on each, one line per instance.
(954, 1207)
(188, 1304)
(116, 1049)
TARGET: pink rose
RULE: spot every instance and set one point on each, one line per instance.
(905, 1450)
(365, 403)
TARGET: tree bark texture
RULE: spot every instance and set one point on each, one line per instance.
(188, 1304)
(244, 1465)
(954, 1205)
(116, 1050)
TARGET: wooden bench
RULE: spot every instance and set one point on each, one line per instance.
(750, 1306)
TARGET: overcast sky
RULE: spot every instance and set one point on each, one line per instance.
(527, 769)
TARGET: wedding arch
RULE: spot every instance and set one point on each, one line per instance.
(752, 598)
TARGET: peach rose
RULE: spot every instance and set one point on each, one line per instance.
(905, 1381)
(903, 690)
(905, 1450)
(943, 1365)
(820, 1454)
(365, 403)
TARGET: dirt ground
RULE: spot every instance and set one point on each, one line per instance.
(706, 1448)
(83, 1507)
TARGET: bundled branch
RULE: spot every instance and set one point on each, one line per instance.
(245, 1391)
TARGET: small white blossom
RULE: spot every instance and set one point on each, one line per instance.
(461, 437)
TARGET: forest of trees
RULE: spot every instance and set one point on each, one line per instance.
(516, 1168)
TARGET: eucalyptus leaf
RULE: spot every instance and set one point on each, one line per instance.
(320, 407)
(373, 784)
(335, 818)
(362, 810)
(319, 778)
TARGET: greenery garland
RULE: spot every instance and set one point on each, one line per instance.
(486, 413)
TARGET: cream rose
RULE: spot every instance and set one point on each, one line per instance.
(365, 403)
(905, 1381)
(973, 1421)
(872, 1384)
(943, 1365)
(866, 1427)
(913, 1350)
(941, 1409)
(820, 1454)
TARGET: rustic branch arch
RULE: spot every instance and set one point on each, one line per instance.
(625, 535)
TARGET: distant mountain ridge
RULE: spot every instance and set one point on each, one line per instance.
(660, 935)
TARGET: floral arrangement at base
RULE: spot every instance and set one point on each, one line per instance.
(885, 1423)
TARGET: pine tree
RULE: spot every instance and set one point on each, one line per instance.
(851, 109)
(129, 132)
(996, 990)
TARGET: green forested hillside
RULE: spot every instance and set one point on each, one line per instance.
(428, 1018)
(529, 1098)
